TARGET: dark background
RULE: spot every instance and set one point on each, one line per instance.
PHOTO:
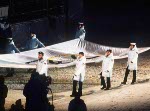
(114, 21)
(107, 22)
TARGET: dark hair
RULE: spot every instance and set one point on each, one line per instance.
(109, 50)
(41, 53)
(81, 53)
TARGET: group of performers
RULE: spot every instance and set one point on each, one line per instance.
(11, 48)
(78, 77)
(34, 43)
(107, 69)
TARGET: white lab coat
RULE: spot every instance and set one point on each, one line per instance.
(41, 67)
(107, 66)
(80, 69)
(132, 58)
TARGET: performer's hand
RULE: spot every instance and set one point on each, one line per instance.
(27, 62)
(73, 57)
(74, 75)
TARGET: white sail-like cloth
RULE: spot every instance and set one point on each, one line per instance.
(62, 52)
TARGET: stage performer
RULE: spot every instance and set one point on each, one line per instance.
(80, 33)
(33, 43)
(132, 62)
(107, 69)
(11, 49)
(41, 66)
(79, 74)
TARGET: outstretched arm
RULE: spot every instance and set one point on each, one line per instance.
(100, 59)
(40, 44)
(16, 49)
(124, 53)
(134, 59)
(31, 61)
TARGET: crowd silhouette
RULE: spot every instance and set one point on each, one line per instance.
(17, 106)
(36, 91)
(77, 104)
(3, 93)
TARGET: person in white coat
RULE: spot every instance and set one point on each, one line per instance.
(79, 74)
(41, 66)
(80, 33)
(107, 68)
(132, 62)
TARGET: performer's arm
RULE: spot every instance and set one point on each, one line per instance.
(110, 66)
(134, 59)
(100, 59)
(16, 49)
(124, 53)
(40, 44)
(31, 61)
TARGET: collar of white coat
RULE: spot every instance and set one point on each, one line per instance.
(135, 48)
(42, 60)
(12, 42)
(82, 28)
(110, 56)
(83, 57)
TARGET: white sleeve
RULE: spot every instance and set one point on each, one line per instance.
(111, 64)
(100, 59)
(82, 36)
(135, 56)
(70, 64)
(124, 53)
(84, 61)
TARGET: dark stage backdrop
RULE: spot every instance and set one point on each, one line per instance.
(117, 22)
(41, 27)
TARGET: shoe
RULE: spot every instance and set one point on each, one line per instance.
(132, 83)
(123, 83)
(103, 88)
(107, 89)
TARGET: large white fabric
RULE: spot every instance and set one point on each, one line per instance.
(62, 52)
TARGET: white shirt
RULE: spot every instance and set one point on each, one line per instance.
(41, 67)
